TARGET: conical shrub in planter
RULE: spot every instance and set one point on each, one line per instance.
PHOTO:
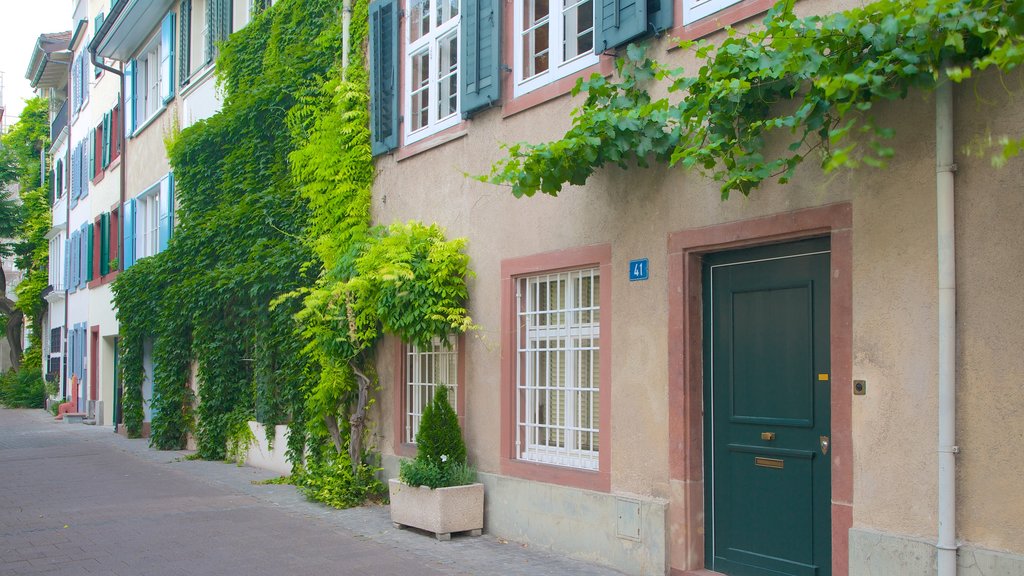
(437, 491)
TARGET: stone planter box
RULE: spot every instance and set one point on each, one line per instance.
(441, 511)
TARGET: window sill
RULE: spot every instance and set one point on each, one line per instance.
(152, 118)
(719, 20)
(405, 450)
(597, 480)
(557, 88)
(441, 138)
(103, 280)
(193, 82)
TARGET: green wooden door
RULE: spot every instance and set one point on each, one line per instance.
(766, 410)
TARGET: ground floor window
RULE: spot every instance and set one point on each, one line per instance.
(426, 368)
(557, 370)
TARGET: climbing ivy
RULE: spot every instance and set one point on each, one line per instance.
(811, 81)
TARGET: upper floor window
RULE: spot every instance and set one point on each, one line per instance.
(694, 10)
(148, 220)
(553, 39)
(431, 67)
(149, 78)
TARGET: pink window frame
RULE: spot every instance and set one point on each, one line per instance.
(511, 270)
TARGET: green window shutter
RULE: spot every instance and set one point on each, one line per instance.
(480, 53)
(384, 76)
(89, 259)
(616, 22)
(167, 57)
(96, 70)
(184, 40)
(104, 244)
(91, 155)
(129, 98)
(107, 135)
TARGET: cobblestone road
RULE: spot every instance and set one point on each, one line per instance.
(76, 499)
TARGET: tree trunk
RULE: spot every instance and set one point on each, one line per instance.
(332, 427)
(358, 420)
(14, 321)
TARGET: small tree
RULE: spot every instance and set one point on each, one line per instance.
(439, 439)
(441, 453)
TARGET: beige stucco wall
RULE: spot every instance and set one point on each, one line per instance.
(894, 299)
(147, 160)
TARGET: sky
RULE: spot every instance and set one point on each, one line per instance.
(21, 23)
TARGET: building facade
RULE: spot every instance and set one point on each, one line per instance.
(663, 381)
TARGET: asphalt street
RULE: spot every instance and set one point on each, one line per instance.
(76, 499)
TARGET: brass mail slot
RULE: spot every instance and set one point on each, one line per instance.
(769, 462)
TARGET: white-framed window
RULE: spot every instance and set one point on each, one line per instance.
(431, 67)
(557, 368)
(56, 263)
(553, 39)
(425, 370)
(147, 238)
(694, 10)
(147, 82)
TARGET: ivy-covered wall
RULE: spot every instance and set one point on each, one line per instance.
(274, 283)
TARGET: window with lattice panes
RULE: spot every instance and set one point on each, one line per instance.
(553, 39)
(431, 67)
(426, 368)
(557, 368)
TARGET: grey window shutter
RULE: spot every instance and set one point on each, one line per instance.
(184, 40)
(383, 76)
(211, 26)
(225, 19)
(480, 53)
(619, 21)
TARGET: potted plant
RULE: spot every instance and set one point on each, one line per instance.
(437, 491)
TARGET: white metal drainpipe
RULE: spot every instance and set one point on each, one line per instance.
(945, 168)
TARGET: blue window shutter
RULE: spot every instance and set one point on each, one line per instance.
(129, 98)
(480, 53)
(616, 22)
(76, 262)
(128, 224)
(383, 76)
(67, 265)
(72, 262)
(84, 69)
(167, 57)
(165, 213)
(74, 176)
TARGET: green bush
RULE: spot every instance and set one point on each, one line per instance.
(441, 455)
(439, 439)
(23, 389)
(332, 482)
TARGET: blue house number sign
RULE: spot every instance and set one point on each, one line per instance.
(638, 269)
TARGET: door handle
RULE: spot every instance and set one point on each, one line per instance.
(824, 444)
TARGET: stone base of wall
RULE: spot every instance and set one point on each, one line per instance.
(623, 531)
(269, 457)
(878, 553)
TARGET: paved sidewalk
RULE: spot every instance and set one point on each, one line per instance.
(77, 499)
